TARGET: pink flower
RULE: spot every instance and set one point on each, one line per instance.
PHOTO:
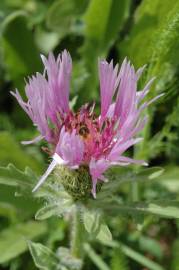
(82, 138)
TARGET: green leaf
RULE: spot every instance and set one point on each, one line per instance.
(97, 260)
(58, 201)
(96, 19)
(104, 20)
(69, 261)
(149, 173)
(13, 239)
(140, 258)
(46, 41)
(151, 245)
(52, 191)
(165, 50)
(19, 48)
(95, 226)
(62, 13)
(175, 258)
(166, 138)
(156, 173)
(91, 221)
(136, 256)
(170, 179)
(25, 206)
(55, 209)
(119, 13)
(148, 19)
(11, 176)
(167, 209)
(14, 183)
(156, 29)
(9, 211)
(47, 212)
(43, 257)
(119, 260)
(11, 152)
(117, 177)
(104, 234)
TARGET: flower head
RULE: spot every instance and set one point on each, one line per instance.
(83, 139)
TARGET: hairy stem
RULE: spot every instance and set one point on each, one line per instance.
(76, 234)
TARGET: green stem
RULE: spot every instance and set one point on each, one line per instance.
(134, 192)
(76, 234)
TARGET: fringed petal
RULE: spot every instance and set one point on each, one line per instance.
(58, 73)
(120, 147)
(109, 80)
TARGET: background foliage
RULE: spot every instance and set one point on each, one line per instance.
(147, 32)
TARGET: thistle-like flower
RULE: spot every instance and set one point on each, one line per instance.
(82, 139)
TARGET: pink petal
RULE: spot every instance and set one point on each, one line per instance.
(97, 168)
(141, 94)
(59, 73)
(125, 101)
(70, 147)
(120, 147)
(109, 80)
(140, 71)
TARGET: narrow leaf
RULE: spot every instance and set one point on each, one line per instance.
(167, 209)
(136, 256)
(97, 260)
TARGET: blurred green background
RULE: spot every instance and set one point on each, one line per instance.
(145, 31)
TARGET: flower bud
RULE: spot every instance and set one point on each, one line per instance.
(77, 183)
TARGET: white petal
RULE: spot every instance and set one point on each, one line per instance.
(58, 159)
(35, 140)
(46, 174)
